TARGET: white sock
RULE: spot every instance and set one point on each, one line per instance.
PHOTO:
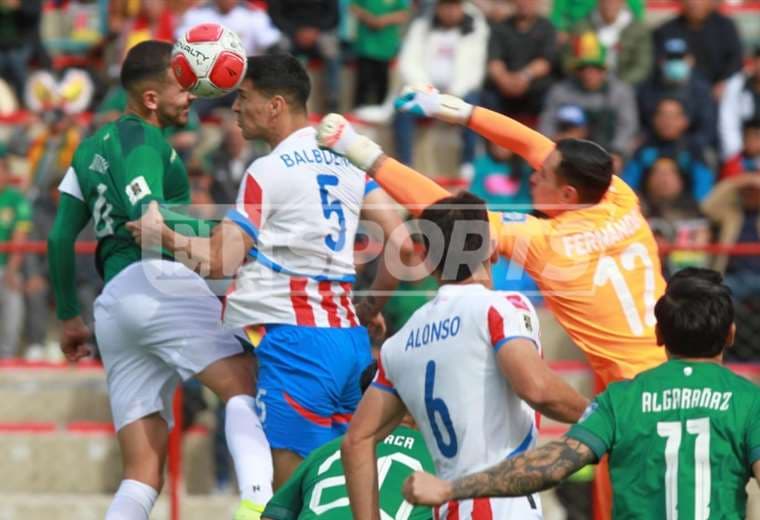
(249, 449)
(133, 501)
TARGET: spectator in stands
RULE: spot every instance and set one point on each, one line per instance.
(522, 53)
(566, 13)
(627, 40)
(229, 162)
(673, 214)
(19, 36)
(502, 179)
(447, 50)
(734, 204)
(253, 25)
(608, 103)
(711, 37)
(670, 140)
(571, 123)
(740, 103)
(15, 223)
(748, 160)
(311, 28)
(154, 21)
(675, 78)
(377, 42)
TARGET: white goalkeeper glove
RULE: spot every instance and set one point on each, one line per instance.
(337, 134)
(427, 101)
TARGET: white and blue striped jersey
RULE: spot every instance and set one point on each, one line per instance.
(301, 205)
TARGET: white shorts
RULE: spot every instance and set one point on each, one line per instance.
(157, 323)
(517, 508)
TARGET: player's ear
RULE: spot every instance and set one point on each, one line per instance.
(658, 335)
(150, 99)
(569, 194)
(277, 105)
(731, 336)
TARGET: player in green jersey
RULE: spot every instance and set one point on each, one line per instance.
(683, 438)
(317, 490)
(156, 321)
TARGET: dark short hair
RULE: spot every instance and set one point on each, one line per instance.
(587, 167)
(751, 124)
(695, 314)
(280, 74)
(146, 61)
(462, 220)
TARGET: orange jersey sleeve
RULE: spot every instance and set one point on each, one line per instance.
(599, 270)
(408, 187)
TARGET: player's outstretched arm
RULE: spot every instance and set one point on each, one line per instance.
(536, 383)
(536, 470)
(426, 101)
(407, 186)
(379, 412)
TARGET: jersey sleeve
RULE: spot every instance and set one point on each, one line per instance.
(511, 316)
(381, 381)
(370, 185)
(596, 427)
(144, 167)
(254, 201)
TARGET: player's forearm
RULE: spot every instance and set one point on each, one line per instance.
(511, 134)
(360, 467)
(61, 264)
(408, 187)
(558, 400)
(531, 472)
(195, 252)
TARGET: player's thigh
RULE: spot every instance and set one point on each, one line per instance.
(229, 376)
(285, 463)
(139, 383)
(143, 445)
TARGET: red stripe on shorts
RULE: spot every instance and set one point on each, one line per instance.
(307, 414)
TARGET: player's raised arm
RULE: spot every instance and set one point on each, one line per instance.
(528, 473)
(379, 412)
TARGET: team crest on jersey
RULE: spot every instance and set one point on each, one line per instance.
(99, 164)
(528, 323)
(137, 189)
(513, 216)
(591, 408)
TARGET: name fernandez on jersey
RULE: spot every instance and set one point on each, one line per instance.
(432, 332)
(685, 399)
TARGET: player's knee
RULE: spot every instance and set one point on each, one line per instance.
(147, 472)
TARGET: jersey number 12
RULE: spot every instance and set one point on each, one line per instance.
(672, 431)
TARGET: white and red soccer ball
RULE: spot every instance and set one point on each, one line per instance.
(209, 60)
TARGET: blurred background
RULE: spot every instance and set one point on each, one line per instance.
(671, 88)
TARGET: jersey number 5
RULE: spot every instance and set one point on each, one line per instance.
(328, 208)
(672, 431)
(607, 270)
(435, 406)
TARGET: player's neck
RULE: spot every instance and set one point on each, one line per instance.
(291, 124)
(480, 277)
(718, 360)
(149, 116)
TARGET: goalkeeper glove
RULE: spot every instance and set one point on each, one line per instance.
(337, 134)
(427, 101)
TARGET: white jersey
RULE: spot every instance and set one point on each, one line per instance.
(301, 205)
(442, 364)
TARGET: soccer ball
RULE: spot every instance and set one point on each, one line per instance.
(209, 60)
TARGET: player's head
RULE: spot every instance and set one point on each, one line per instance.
(275, 88)
(576, 172)
(455, 233)
(695, 316)
(151, 86)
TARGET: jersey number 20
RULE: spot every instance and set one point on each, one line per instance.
(328, 208)
(436, 407)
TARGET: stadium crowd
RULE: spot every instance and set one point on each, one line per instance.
(676, 101)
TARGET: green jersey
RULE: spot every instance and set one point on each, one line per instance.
(115, 173)
(681, 439)
(318, 487)
(15, 215)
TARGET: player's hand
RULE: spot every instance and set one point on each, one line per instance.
(75, 338)
(427, 101)
(425, 489)
(148, 229)
(337, 134)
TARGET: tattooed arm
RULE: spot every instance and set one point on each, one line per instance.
(533, 471)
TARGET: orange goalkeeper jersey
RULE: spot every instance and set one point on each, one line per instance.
(597, 267)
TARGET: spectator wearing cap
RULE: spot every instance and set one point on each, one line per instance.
(571, 123)
(502, 179)
(740, 104)
(566, 13)
(608, 104)
(627, 40)
(675, 77)
(522, 53)
(15, 224)
(447, 50)
(669, 140)
(748, 160)
(711, 37)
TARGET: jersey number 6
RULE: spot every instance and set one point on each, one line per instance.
(328, 208)
(436, 406)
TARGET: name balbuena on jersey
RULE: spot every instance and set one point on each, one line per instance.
(442, 364)
(301, 205)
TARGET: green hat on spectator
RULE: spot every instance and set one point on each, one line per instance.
(588, 51)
